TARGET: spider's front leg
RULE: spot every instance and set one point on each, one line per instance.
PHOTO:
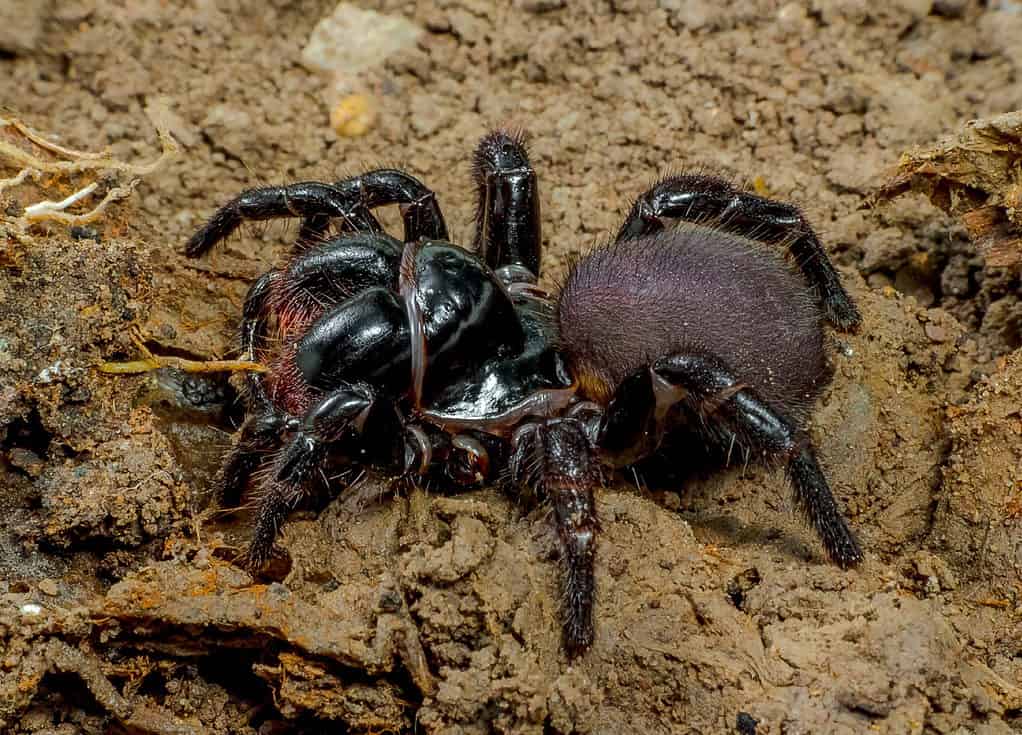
(555, 457)
(312, 282)
(636, 416)
(350, 200)
(419, 207)
(344, 411)
(713, 201)
(348, 357)
(261, 431)
(508, 229)
(332, 272)
(253, 336)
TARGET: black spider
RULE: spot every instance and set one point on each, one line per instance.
(421, 358)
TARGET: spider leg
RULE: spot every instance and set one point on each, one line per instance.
(700, 198)
(556, 458)
(349, 200)
(508, 233)
(312, 282)
(636, 418)
(380, 187)
(313, 229)
(367, 337)
(254, 315)
(252, 334)
(306, 199)
(330, 273)
(257, 437)
(297, 295)
(342, 411)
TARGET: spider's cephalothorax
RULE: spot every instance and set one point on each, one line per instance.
(420, 358)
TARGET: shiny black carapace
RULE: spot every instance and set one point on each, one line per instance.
(699, 328)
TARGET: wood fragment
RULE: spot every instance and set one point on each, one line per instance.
(976, 176)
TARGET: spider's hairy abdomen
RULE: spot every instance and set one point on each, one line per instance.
(625, 305)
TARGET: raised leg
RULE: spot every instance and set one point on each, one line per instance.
(555, 458)
(640, 407)
(508, 233)
(711, 200)
(331, 419)
(419, 207)
(307, 199)
(314, 229)
(316, 203)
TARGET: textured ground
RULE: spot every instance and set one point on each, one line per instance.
(119, 611)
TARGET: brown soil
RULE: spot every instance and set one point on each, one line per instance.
(119, 611)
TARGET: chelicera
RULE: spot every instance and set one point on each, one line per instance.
(699, 328)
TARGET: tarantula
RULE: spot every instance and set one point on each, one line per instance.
(420, 358)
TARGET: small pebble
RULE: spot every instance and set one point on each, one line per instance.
(351, 39)
(935, 333)
(81, 232)
(49, 587)
(951, 8)
(353, 116)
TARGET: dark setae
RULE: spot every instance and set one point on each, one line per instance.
(700, 326)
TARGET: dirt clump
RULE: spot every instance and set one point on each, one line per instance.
(980, 512)
(78, 446)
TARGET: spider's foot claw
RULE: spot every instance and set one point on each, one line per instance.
(844, 315)
(199, 243)
(258, 561)
(845, 552)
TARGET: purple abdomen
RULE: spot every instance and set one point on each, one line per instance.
(693, 288)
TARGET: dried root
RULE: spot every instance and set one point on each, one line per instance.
(34, 157)
(150, 362)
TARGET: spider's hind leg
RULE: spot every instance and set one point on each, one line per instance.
(708, 199)
(729, 409)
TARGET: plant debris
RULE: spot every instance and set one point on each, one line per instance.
(976, 176)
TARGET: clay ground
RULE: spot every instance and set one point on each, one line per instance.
(120, 611)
